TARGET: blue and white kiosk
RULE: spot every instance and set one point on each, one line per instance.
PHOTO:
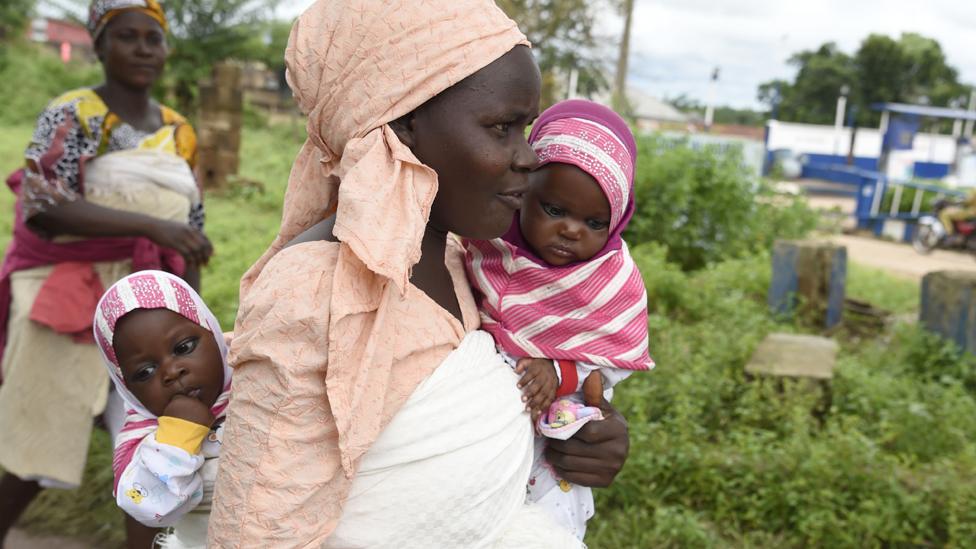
(900, 123)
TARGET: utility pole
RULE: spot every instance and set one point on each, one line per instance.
(619, 100)
(710, 107)
(968, 131)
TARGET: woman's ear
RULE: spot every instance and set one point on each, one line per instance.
(403, 127)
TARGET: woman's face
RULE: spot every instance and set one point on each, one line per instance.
(473, 136)
(132, 49)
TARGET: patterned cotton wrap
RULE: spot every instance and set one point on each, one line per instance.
(102, 11)
(149, 290)
(593, 311)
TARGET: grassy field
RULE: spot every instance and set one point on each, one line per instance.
(716, 460)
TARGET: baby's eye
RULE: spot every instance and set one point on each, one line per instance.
(552, 211)
(596, 224)
(144, 373)
(186, 346)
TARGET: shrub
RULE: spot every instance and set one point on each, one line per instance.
(40, 76)
(704, 206)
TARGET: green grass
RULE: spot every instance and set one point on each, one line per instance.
(716, 460)
(720, 461)
(893, 293)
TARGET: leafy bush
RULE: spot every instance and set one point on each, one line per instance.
(721, 461)
(40, 76)
(704, 206)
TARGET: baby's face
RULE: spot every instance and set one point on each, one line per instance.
(163, 354)
(565, 216)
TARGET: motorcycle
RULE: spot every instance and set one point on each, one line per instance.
(930, 233)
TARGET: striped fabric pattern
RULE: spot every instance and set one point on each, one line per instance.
(593, 312)
(149, 290)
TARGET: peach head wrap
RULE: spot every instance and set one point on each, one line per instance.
(355, 66)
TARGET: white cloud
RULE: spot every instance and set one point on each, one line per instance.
(676, 43)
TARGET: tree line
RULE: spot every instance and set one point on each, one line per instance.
(910, 69)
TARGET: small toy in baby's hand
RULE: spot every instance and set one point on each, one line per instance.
(565, 411)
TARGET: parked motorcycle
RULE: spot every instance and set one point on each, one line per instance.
(930, 233)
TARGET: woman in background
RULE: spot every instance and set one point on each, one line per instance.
(107, 189)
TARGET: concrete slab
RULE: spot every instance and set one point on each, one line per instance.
(797, 356)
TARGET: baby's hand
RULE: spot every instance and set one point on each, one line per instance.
(538, 384)
(189, 409)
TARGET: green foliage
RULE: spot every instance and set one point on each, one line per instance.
(704, 206)
(13, 17)
(911, 69)
(204, 32)
(893, 293)
(563, 38)
(813, 95)
(38, 76)
(720, 461)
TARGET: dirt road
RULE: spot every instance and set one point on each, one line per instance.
(896, 258)
(901, 259)
(18, 539)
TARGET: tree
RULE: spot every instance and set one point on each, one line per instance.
(204, 32)
(13, 17)
(620, 103)
(561, 32)
(812, 97)
(911, 69)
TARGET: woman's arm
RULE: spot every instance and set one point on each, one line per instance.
(280, 481)
(597, 452)
(82, 218)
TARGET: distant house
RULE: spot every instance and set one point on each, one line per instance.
(652, 114)
(70, 39)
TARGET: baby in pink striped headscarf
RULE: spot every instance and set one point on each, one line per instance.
(167, 358)
(559, 292)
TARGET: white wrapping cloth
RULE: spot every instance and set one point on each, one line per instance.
(465, 427)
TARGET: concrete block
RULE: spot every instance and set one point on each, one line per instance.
(794, 356)
(809, 278)
(948, 306)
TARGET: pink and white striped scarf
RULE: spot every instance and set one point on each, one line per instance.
(593, 311)
(149, 290)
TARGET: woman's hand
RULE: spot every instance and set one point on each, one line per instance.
(192, 244)
(597, 452)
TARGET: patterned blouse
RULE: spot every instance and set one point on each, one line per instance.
(77, 127)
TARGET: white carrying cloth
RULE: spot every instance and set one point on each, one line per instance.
(464, 427)
(130, 172)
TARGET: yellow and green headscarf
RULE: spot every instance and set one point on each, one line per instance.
(102, 11)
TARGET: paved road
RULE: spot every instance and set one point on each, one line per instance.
(901, 259)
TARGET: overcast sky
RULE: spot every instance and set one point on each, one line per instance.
(676, 43)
